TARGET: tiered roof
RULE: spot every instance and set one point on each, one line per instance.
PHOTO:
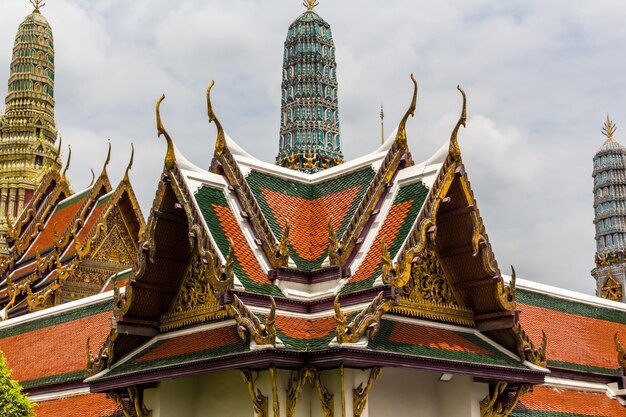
(65, 246)
(59, 334)
(583, 354)
(379, 261)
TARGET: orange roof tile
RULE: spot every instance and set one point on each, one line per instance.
(308, 218)
(300, 328)
(243, 252)
(573, 338)
(90, 405)
(433, 337)
(571, 402)
(62, 346)
(61, 217)
(389, 230)
(191, 343)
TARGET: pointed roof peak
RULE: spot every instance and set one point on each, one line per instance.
(310, 4)
(37, 4)
(610, 143)
(609, 128)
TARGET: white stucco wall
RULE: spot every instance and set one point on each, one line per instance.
(397, 392)
(407, 393)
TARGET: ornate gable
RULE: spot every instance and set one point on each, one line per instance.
(611, 288)
(58, 264)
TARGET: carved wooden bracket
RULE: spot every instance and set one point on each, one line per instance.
(360, 393)
(311, 375)
(259, 401)
(498, 403)
(132, 406)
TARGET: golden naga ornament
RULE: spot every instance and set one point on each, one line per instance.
(262, 334)
(400, 274)
(283, 247)
(367, 321)
(526, 349)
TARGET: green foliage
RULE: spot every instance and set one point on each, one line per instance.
(13, 402)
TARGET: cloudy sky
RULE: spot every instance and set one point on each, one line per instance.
(540, 78)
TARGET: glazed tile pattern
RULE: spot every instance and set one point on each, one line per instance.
(307, 208)
(62, 215)
(90, 405)
(223, 226)
(90, 223)
(192, 347)
(306, 334)
(551, 402)
(396, 226)
(580, 336)
(431, 342)
(25, 344)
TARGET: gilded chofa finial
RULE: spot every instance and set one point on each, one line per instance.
(106, 162)
(170, 156)
(69, 159)
(220, 142)
(37, 4)
(401, 135)
(93, 177)
(609, 128)
(310, 4)
(130, 163)
(455, 151)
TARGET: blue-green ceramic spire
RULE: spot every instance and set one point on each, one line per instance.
(309, 126)
(609, 177)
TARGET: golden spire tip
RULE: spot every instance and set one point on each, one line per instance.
(310, 4)
(37, 4)
(609, 127)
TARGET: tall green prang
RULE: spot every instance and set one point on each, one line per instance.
(309, 128)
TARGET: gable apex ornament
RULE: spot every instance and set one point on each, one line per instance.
(170, 156)
(455, 151)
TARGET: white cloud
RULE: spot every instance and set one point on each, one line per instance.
(540, 77)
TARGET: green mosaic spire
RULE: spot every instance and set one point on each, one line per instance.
(309, 127)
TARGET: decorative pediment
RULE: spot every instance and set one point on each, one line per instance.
(424, 287)
(197, 299)
(117, 245)
(611, 288)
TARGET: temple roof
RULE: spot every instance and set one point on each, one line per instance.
(66, 246)
(378, 260)
(581, 329)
